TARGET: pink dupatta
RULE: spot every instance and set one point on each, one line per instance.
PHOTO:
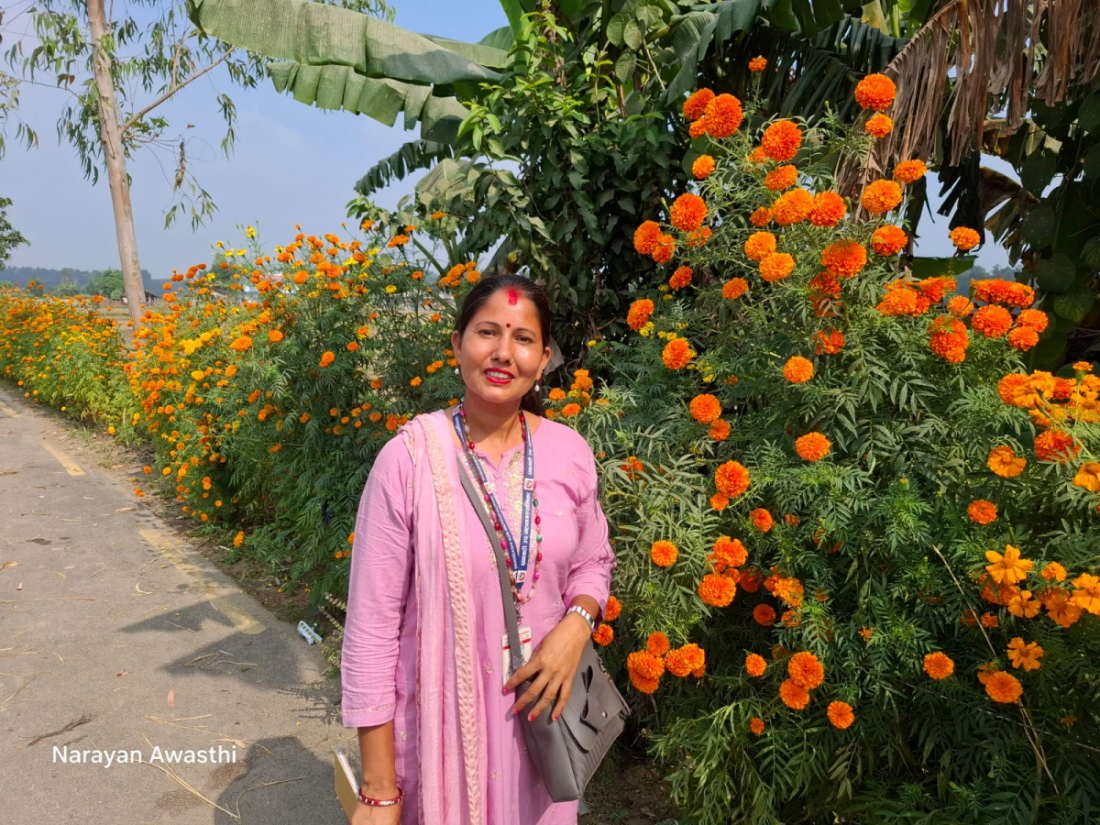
(452, 733)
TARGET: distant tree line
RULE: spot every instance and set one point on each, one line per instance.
(69, 281)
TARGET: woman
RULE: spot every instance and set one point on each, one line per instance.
(424, 669)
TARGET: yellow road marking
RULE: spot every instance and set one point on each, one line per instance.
(71, 467)
(223, 598)
(4, 408)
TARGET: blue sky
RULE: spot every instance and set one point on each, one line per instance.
(292, 164)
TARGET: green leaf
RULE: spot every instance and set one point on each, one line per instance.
(1074, 306)
(1037, 171)
(927, 267)
(417, 154)
(1055, 274)
(615, 28)
(633, 35)
(1088, 116)
(624, 67)
(1090, 253)
(1038, 226)
(1091, 163)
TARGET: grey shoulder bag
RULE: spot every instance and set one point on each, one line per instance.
(568, 751)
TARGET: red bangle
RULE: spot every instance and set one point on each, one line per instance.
(379, 803)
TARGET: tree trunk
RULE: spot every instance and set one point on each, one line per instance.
(117, 178)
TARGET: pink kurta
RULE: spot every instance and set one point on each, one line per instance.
(379, 668)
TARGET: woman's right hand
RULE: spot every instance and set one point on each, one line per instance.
(374, 815)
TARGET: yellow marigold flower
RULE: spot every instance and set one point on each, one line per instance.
(327, 358)
(938, 665)
(1003, 687)
(812, 446)
(696, 104)
(1054, 572)
(889, 240)
(677, 353)
(964, 238)
(909, 171)
(613, 610)
(960, 306)
(646, 237)
(780, 178)
(732, 479)
(702, 167)
(688, 212)
(1087, 593)
(841, 715)
(657, 644)
(794, 695)
(723, 116)
(762, 520)
(878, 126)
(758, 64)
(759, 245)
(680, 278)
(1024, 654)
(719, 430)
(981, 511)
(570, 410)
(662, 252)
(829, 209)
(781, 140)
(663, 553)
(876, 91)
(798, 370)
(761, 217)
(1088, 477)
(756, 725)
(792, 207)
(844, 258)
(776, 266)
(881, 196)
(604, 635)
(734, 288)
(1004, 462)
(755, 665)
(1008, 568)
(705, 408)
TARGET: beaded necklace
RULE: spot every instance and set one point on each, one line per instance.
(517, 556)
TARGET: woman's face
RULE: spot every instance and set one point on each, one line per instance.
(502, 353)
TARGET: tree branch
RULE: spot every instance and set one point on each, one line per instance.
(134, 118)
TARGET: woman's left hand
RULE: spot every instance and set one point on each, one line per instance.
(555, 662)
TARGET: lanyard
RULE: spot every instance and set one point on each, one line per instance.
(519, 557)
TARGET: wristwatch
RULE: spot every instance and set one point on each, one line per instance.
(584, 614)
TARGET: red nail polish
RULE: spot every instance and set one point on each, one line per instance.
(556, 717)
(515, 710)
(531, 718)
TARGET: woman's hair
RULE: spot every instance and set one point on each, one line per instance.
(483, 290)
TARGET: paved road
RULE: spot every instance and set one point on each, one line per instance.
(123, 638)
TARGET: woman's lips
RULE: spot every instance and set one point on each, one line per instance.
(498, 377)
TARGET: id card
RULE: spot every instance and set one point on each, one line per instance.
(506, 652)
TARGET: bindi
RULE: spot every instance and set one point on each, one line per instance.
(513, 297)
(509, 326)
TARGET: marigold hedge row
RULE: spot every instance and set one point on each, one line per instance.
(857, 538)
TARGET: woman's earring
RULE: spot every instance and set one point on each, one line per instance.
(456, 370)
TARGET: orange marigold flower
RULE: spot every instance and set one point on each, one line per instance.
(695, 105)
(866, 633)
(878, 126)
(1004, 462)
(806, 670)
(881, 196)
(719, 430)
(645, 670)
(1023, 338)
(646, 237)
(758, 64)
(730, 552)
(238, 539)
(829, 209)
(639, 313)
(680, 278)
(1008, 568)
(759, 245)
(723, 115)
(960, 306)
(949, 339)
(689, 659)
(716, 590)
(812, 446)
(841, 715)
(662, 252)
(570, 410)
(687, 212)
(327, 358)
(702, 166)
(889, 240)
(938, 665)
(732, 479)
(1086, 594)
(762, 520)
(964, 238)
(756, 725)
(1034, 319)
(780, 178)
(657, 644)
(1004, 687)
(794, 695)
(1057, 446)
(734, 288)
(909, 171)
(990, 622)
(604, 635)
(844, 258)
(664, 553)
(829, 342)
(705, 408)
(677, 353)
(241, 344)
(798, 370)
(698, 128)
(982, 512)
(1081, 366)
(613, 610)
(719, 502)
(876, 91)
(1000, 291)
(755, 665)
(275, 336)
(352, 346)
(1088, 477)
(1025, 654)
(761, 217)
(992, 321)
(792, 207)
(776, 266)
(557, 394)
(764, 614)
(781, 140)
(1053, 571)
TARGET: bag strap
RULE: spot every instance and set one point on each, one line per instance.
(515, 650)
